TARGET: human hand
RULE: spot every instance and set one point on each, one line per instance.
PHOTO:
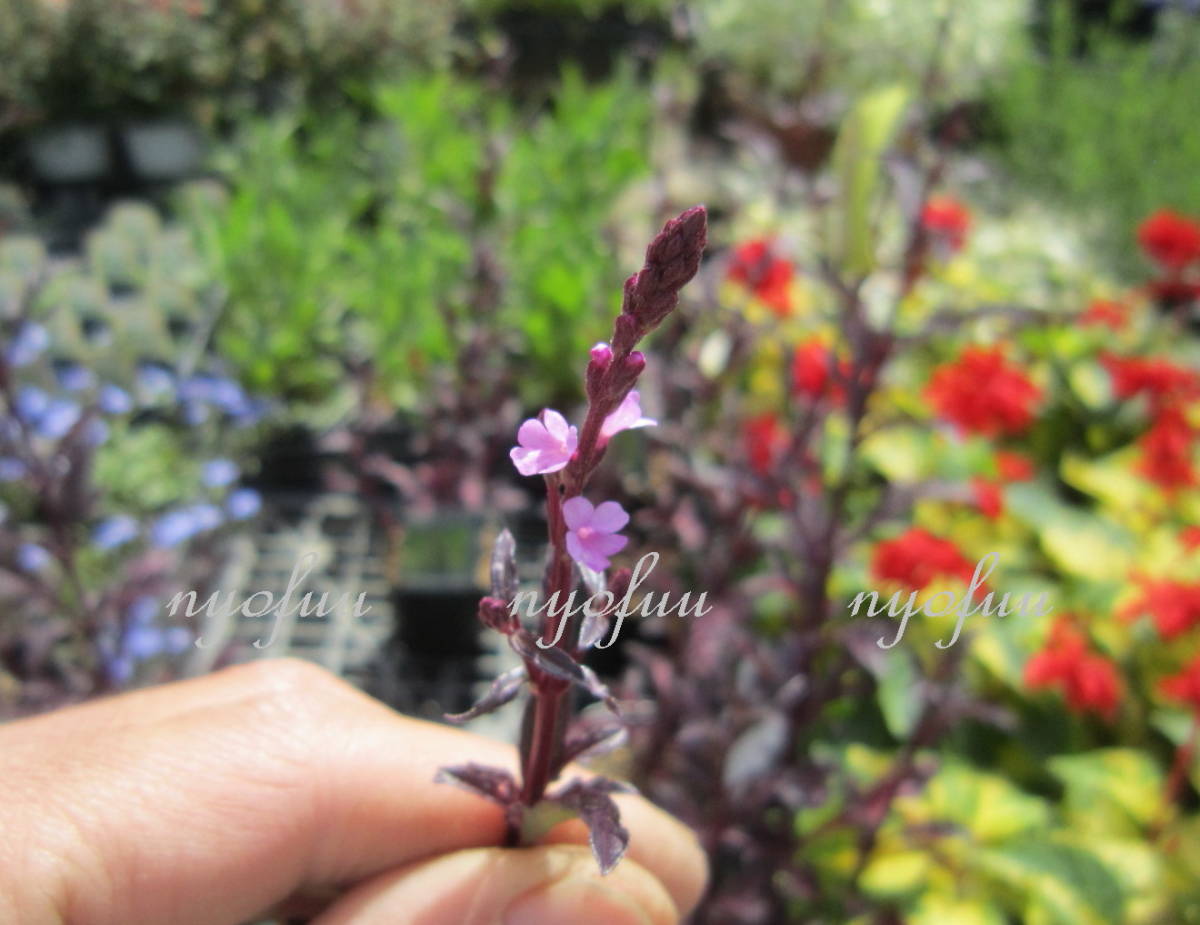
(216, 800)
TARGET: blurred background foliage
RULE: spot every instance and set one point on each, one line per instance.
(261, 247)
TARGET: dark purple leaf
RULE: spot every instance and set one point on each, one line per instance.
(755, 751)
(593, 801)
(502, 691)
(495, 784)
(593, 735)
(505, 581)
(553, 661)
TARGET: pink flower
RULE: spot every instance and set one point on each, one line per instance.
(592, 531)
(628, 416)
(545, 445)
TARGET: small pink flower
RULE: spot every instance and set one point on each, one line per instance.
(592, 531)
(545, 445)
(628, 416)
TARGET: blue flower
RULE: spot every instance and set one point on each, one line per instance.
(180, 525)
(154, 380)
(57, 419)
(32, 558)
(142, 639)
(12, 469)
(28, 344)
(243, 503)
(115, 531)
(31, 403)
(217, 473)
(114, 400)
(73, 377)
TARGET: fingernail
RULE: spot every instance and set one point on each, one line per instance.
(581, 902)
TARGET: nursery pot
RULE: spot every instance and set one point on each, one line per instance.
(70, 153)
(164, 149)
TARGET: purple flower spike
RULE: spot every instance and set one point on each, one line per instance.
(628, 416)
(545, 445)
(592, 532)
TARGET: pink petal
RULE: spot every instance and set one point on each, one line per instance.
(586, 553)
(609, 517)
(607, 544)
(534, 435)
(556, 424)
(525, 460)
(577, 512)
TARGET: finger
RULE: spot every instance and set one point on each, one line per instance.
(297, 780)
(494, 886)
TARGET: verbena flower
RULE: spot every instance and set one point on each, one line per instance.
(1167, 451)
(1170, 239)
(115, 531)
(917, 558)
(1104, 313)
(769, 277)
(628, 416)
(546, 445)
(947, 220)
(1184, 687)
(981, 392)
(1173, 605)
(592, 532)
(813, 365)
(1089, 681)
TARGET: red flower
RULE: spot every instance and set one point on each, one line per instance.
(1184, 687)
(1190, 538)
(1104, 312)
(812, 372)
(947, 219)
(1159, 379)
(767, 276)
(916, 558)
(988, 497)
(1089, 680)
(982, 393)
(1170, 239)
(1014, 467)
(1173, 605)
(764, 437)
(1167, 450)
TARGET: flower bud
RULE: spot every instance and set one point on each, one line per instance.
(626, 376)
(601, 360)
(495, 615)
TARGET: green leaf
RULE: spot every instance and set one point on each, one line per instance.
(899, 693)
(1124, 777)
(864, 137)
(1062, 884)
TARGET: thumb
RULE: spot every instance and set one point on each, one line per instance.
(546, 885)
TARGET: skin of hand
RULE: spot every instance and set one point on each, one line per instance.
(216, 801)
